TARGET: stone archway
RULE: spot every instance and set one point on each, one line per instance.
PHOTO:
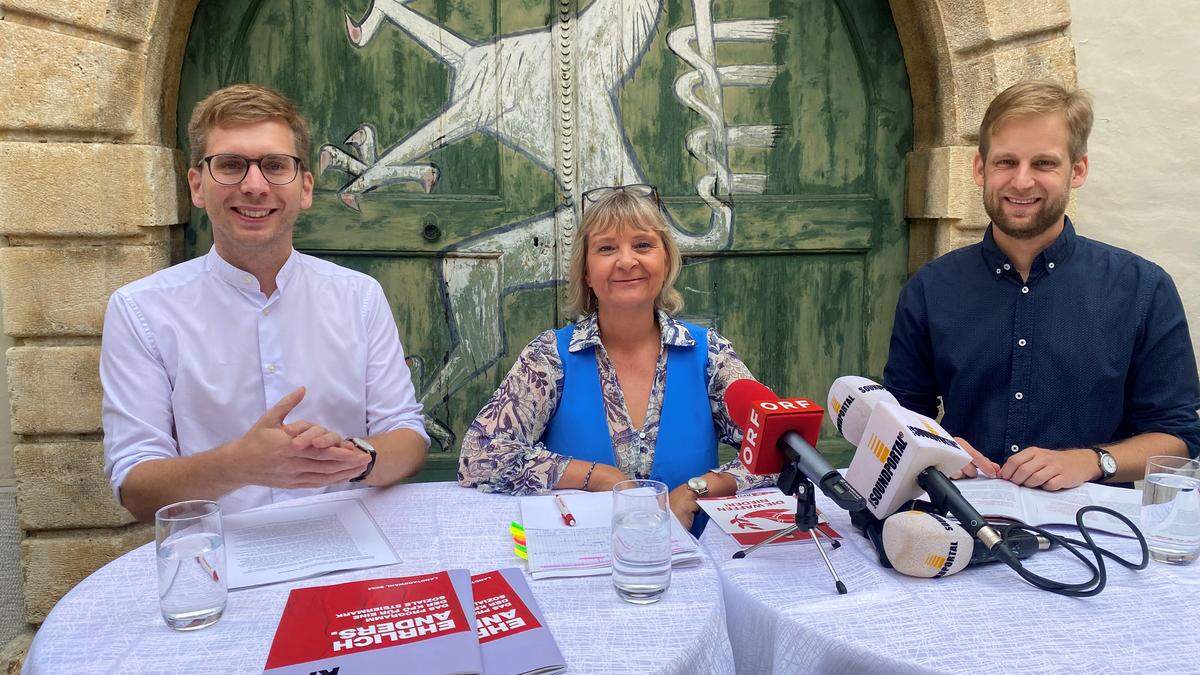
(92, 184)
(959, 55)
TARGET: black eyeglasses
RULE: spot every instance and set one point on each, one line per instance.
(230, 169)
(642, 190)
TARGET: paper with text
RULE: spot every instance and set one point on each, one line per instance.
(557, 550)
(283, 542)
(753, 517)
(1033, 506)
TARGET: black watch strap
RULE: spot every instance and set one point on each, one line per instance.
(366, 447)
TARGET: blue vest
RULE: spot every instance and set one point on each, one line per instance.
(687, 441)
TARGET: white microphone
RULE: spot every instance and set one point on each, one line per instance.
(901, 455)
(894, 444)
(852, 399)
(921, 544)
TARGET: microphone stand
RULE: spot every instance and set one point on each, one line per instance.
(793, 481)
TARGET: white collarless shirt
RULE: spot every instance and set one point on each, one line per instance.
(195, 354)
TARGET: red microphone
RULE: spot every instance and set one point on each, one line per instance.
(783, 432)
(764, 417)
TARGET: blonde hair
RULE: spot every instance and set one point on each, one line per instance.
(618, 210)
(1038, 97)
(242, 104)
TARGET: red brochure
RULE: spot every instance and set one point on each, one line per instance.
(413, 624)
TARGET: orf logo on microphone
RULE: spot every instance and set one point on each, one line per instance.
(752, 437)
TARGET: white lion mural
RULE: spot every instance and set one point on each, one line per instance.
(505, 88)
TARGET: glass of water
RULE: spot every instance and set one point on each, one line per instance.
(190, 550)
(1171, 509)
(641, 540)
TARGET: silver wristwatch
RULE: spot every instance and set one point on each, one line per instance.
(698, 485)
(1108, 463)
(362, 444)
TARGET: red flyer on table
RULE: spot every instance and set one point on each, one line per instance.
(419, 624)
(753, 517)
(512, 633)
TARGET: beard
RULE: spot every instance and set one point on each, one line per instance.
(1047, 216)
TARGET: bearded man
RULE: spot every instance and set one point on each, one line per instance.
(1057, 359)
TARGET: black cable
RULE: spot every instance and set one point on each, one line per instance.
(1099, 578)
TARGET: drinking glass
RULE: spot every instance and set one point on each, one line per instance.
(1171, 509)
(641, 540)
(189, 547)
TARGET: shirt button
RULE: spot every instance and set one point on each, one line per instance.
(1024, 289)
(997, 270)
(642, 435)
(1014, 448)
(1018, 396)
(266, 311)
(247, 278)
(1007, 267)
(1022, 342)
(1050, 265)
(271, 368)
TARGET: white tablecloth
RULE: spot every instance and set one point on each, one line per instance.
(785, 616)
(110, 622)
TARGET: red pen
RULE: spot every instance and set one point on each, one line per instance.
(566, 513)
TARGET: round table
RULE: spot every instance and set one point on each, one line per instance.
(110, 622)
(784, 615)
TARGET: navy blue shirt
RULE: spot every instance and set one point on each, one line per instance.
(1093, 348)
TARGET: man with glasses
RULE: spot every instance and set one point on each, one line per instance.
(255, 373)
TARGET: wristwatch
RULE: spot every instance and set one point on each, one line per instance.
(362, 444)
(698, 485)
(1108, 463)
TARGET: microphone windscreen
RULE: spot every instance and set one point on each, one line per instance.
(740, 395)
(851, 401)
(920, 544)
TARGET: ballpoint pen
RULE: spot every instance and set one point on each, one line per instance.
(562, 509)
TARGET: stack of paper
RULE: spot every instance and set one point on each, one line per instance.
(418, 624)
(289, 541)
(556, 550)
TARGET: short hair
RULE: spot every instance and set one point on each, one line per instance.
(241, 104)
(1036, 97)
(618, 210)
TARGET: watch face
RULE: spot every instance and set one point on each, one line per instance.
(698, 485)
(1108, 463)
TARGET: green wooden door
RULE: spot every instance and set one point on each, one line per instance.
(459, 134)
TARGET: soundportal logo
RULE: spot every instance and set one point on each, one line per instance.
(889, 467)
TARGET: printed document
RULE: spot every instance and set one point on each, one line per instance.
(753, 517)
(282, 542)
(1034, 506)
(558, 550)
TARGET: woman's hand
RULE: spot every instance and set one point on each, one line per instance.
(684, 505)
(604, 477)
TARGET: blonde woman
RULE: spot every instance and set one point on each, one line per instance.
(627, 391)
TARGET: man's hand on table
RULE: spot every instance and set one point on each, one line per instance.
(1035, 467)
(978, 463)
(1051, 469)
(295, 455)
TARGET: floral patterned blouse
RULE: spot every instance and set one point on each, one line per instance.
(501, 451)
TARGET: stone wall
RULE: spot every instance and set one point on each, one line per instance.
(92, 183)
(960, 54)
